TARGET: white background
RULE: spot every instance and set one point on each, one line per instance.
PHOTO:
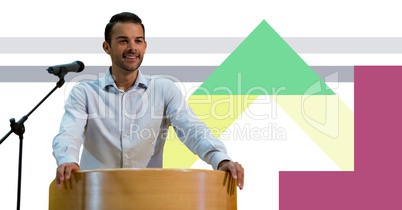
(261, 159)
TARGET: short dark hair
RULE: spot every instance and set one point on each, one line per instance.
(124, 17)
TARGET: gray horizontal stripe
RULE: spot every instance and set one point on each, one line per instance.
(180, 73)
(201, 44)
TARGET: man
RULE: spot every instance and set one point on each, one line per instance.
(109, 115)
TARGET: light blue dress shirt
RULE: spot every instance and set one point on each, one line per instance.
(128, 129)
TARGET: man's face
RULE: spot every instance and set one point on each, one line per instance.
(127, 46)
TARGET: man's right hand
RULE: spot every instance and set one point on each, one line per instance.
(64, 172)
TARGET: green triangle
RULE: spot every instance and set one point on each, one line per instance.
(264, 64)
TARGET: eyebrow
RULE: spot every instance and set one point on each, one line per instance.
(125, 37)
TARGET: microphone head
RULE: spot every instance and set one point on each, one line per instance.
(82, 66)
(61, 70)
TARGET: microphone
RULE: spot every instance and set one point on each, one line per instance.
(61, 70)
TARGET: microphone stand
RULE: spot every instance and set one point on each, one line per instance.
(18, 128)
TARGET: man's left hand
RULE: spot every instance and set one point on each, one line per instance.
(236, 169)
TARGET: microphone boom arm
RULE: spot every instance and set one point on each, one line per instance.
(18, 128)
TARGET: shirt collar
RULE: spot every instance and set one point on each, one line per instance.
(140, 82)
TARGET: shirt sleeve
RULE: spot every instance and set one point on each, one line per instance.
(191, 131)
(67, 143)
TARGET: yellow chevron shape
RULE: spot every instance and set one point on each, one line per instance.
(218, 112)
(327, 121)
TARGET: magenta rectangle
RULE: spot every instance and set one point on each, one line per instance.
(376, 182)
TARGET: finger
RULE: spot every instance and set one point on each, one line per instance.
(240, 175)
(233, 170)
(59, 175)
(58, 182)
(67, 172)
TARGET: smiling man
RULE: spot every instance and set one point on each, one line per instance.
(101, 114)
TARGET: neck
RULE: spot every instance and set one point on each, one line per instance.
(124, 79)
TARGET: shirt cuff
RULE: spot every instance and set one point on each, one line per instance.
(217, 158)
(67, 160)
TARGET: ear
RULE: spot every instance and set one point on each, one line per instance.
(146, 44)
(106, 47)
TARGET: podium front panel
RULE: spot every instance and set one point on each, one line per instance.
(137, 189)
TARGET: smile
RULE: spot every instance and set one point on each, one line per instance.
(130, 56)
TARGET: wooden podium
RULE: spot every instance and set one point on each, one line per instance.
(162, 189)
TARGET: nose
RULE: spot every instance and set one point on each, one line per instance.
(132, 46)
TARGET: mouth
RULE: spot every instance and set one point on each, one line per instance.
(130, 57)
